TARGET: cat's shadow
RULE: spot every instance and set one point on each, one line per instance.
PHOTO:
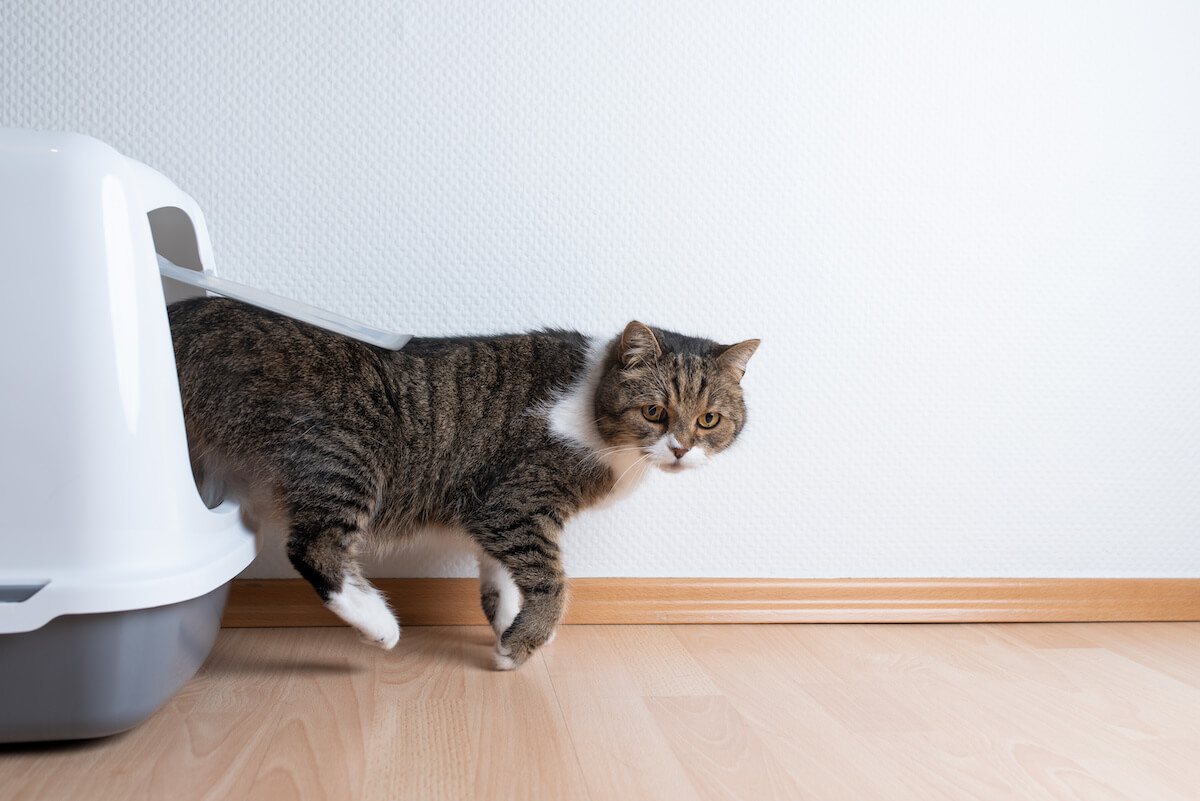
(468, 646)
(301, 667)
(436, 647)
(478, 645)
(267, 666)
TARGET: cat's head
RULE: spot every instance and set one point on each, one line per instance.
(675, 398)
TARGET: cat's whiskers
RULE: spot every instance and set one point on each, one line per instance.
(600, 454)
(613, 448)
(614, 451)
(617, 483)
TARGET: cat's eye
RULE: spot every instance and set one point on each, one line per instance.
(708, 420)
(654, 413)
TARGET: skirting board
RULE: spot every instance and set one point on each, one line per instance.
(455, 601)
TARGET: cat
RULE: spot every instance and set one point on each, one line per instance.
(503, 437)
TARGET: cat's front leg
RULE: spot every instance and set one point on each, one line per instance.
(535, 625)
(498, 594)
(527, 551)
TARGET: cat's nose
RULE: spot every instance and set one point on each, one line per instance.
(679, 452)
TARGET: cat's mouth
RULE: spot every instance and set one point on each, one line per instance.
(670, 457)
(680, 465)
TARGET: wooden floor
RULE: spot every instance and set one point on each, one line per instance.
(1017, 711)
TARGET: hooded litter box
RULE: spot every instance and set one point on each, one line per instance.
(113, 573)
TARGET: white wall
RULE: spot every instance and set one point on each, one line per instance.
(967, 233)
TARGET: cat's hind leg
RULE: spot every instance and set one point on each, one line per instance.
(362, 606)
(322, 545)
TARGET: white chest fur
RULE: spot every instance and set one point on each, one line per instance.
(572, 418)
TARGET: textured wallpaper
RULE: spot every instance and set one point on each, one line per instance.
(968, 235)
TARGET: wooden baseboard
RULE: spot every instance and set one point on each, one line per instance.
(455, 602)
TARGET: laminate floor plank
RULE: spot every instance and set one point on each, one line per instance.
(327, 714)
(896, 712)
(520, 746)
(1170, 648)
(768, 680)
(621, 752)
(723, 755)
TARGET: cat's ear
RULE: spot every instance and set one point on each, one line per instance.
(733, 360)
(638, 345)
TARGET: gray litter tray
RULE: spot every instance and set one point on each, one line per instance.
(94, 675)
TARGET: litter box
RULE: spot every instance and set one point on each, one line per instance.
(113, 573)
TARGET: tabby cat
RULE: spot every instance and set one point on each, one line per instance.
(503, 437)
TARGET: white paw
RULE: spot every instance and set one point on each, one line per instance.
(550, 639)
(503, 657)
(385, 639)
(365, 609)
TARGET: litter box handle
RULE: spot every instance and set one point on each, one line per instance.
(158, 191)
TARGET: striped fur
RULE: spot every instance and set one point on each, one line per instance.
(503, 437)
